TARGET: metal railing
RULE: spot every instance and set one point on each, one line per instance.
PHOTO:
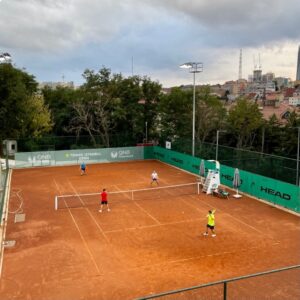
(221, 282)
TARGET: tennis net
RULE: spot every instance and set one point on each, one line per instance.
(161, 192)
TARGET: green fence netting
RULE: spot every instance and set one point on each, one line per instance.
(271, 190)
(3, 184)
(277, 167)
(275, 191)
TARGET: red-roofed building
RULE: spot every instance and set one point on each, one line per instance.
(288, 92)
(282, 111)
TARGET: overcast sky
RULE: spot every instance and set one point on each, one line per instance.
(56, 38)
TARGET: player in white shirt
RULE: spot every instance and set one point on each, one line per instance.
(154, 177)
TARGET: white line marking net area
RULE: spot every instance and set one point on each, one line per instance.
(154, 193)
(81, 235)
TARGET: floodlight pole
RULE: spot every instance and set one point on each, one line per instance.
(194, 67)
(194, 113)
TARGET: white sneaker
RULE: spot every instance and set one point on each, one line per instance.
(205, 233)
(213, 235)
(100, 210)
(108, 209)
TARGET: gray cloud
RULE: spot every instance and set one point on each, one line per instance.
(240, 21)
(64, 36)
(52, 25)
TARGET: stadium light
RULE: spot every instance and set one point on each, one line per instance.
(194, 67)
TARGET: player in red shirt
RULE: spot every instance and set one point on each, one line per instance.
(104, 200)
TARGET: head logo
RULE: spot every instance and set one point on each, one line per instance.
(114, 154)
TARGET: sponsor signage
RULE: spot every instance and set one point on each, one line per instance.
(275, 193)
(29, 159)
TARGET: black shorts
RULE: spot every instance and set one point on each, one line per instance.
(104, 202)
(210, 227)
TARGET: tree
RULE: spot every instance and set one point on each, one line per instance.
(151, 93)
(243, 121)
(59, 101)
(91, 112)
(175, 114)
(210, 115)
(23, 112)
(289, 138)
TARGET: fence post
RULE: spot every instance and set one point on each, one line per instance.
(225, 291)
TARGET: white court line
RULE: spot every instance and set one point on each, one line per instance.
(4, 219)
(260, 232)
(80, 233)
(91, 215)
(155, 225)
(141, 208)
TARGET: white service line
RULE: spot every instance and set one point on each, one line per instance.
(155, 225)
(141, 208)
(80, 233)
(260, 232)
(91, 215)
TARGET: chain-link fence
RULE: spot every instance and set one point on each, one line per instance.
(277, 167)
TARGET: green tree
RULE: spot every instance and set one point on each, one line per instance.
(243, 121)
(92, 108)
(210, 115)
(175, 114)
(23, 112)
(289, 137)
(59, 101)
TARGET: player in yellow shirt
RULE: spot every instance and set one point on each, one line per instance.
(210, 223)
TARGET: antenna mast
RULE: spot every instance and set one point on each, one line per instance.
(240, 64)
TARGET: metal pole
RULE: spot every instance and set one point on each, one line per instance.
(225, 291)
(194, 112)
(217, 145)
(298, 150)
(146, 131)
(6, 156)
(263, 140)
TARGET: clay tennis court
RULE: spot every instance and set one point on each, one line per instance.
(142, 246)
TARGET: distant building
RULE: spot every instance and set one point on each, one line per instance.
(268, 77)
(295, 99)
(282, 111)
(231, 86)
(270, 86)
(289, 92)
(257, 75)
(282, 82)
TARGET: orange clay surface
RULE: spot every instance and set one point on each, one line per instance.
(144, 246)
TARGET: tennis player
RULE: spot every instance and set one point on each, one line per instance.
(210, 223)
(104, 200)
(83, 168)
(154, 177)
